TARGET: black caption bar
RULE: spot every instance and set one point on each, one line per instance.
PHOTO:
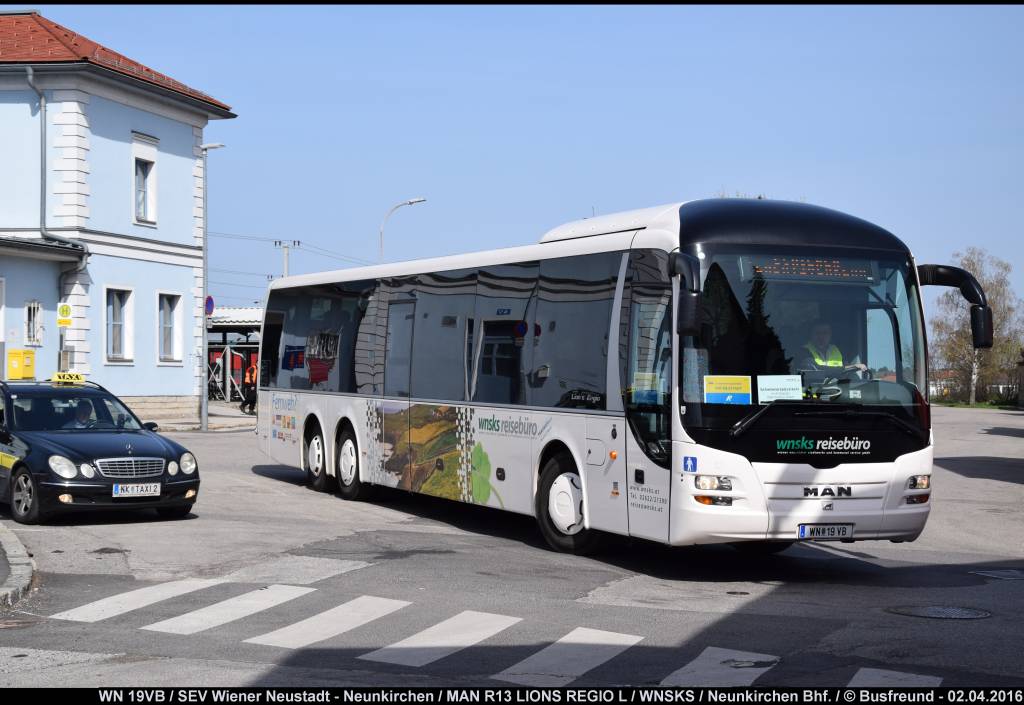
(539, 696)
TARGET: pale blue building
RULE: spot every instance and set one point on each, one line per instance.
(101, 209)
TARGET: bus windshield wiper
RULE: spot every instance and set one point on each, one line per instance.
(741, 426)
(904, 426)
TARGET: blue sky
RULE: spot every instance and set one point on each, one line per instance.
(511, 120)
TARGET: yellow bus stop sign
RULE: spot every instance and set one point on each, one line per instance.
(64, 316)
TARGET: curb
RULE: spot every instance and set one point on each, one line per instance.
(21, 565)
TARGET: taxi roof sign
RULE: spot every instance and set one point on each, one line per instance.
(68, 378)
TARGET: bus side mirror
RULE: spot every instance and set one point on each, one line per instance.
(981, 326)
(687, 268)
(970, 289)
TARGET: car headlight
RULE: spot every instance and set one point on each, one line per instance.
(87, 471)
(63, 467)
(172, 468)
(188, 463)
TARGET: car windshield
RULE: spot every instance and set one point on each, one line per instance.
(62, 411)
(841, 329)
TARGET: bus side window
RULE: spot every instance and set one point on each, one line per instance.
(398, 351)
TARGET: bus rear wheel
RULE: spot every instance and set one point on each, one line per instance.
(316, 462)
(346, 467)
(559, 508)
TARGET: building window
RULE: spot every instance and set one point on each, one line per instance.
(118, 323)
(33, 323)
(144, 178)
(169, 349)
(142, 190)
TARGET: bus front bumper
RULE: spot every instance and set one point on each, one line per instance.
(771, 501)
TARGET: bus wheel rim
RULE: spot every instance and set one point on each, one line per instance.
(23, 495)
(565, 504)
(347, 462)
(315, 456)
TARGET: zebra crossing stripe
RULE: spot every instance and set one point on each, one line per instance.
(333, 622)
(561, 663)
(463, 630)
(230, 610)
(722, 668)
(867, 677)
(133, 600)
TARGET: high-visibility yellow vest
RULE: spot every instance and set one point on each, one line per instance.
(833, 358)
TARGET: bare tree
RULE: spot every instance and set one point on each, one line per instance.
(951, 328)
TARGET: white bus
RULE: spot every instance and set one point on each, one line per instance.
(716, 371)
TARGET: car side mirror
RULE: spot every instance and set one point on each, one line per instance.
(151, 426)
(970, 289)
(687, 268)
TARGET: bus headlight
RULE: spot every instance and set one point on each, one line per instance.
(188, 463)
(63, 467)
(712, 482)
(920, 482)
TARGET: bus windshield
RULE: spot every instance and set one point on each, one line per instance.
(794, 327)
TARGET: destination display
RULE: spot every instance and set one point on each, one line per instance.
(809, 268)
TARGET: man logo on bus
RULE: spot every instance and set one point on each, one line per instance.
(689, 463)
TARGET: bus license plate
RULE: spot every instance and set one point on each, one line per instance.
(825, 531)
(151, 489)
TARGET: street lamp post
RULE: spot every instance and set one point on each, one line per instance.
(410, 202)
(205, 391)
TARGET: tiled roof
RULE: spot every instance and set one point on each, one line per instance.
(30, 38)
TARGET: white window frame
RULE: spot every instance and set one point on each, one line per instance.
(177, 347)
(127, 329)
(33, 338)
(145, 148)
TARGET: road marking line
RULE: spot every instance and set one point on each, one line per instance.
(866, 677)
(133, 600)
(333, 622)
(568, 658)
(722, 668)
(463, 630)
(230, 610)
(294, 570)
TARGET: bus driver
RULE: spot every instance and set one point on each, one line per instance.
(822, 355)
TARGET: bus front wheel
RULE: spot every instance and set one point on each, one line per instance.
(559, 508)
(346, 468)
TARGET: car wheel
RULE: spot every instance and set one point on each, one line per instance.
(346, 468)
(25, 498)
(762, 548)
(316, 463)
(174, 512)
(559, 508)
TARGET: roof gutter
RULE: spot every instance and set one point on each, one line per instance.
(47, 235)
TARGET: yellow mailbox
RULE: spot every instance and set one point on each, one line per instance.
(21, 364)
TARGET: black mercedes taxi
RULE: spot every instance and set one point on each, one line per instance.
(69, 444)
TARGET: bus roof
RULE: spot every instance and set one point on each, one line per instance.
(727, 221)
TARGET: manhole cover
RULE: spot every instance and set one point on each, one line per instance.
(940, 612)
(1003, 574)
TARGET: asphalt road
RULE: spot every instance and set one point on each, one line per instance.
(420, 591)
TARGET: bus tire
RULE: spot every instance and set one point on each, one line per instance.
(346, 467)
(762, 548)
(559, 508)
(316, 462)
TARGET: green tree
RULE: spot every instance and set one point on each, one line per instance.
(951, 327)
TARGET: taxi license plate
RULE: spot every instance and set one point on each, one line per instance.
(825, 531)
(151, 489)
